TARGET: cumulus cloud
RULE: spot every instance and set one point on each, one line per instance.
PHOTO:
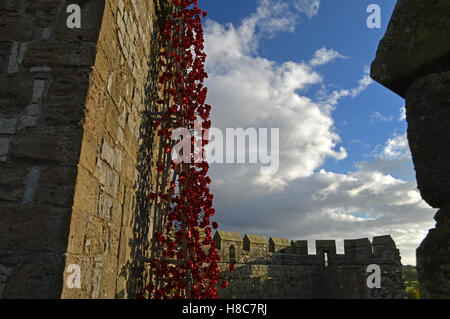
(326, 205)
(301, 201)
(250, 91)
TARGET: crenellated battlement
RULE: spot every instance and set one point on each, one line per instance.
(282, 268)
(257, 249)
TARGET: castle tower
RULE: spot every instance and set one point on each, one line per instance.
(256, 245)
(229, 245)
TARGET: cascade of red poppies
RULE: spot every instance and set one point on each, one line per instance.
(184, 256)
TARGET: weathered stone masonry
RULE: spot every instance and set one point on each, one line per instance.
(73, 166)
(76, 164)
(413, 60)
(281, 269)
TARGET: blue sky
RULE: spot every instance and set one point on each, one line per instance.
(345, 169)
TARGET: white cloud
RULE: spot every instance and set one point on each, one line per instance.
(362, 203)
(324, 56)
(378, 117)
(333, 98)
(397, 146)
(402, 114)
(250, 91)
(247, 90)
(309, 7)
(273, 16)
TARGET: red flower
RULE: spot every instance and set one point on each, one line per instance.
(231, 267)
(224, 284)
(189, 206)
(150, 288)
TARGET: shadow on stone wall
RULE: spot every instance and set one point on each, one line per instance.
(136, 270)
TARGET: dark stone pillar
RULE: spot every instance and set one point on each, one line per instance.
(413, 60)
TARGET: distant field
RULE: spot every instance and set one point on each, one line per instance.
(411, 282)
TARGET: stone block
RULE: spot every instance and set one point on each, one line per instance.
(15, 57)
(87, 192)
(34, 229)
(78, 225)
(109, 40)
(32, 110)
(107, 287)
(40, 69)
(31, 183)
(107, 153)
(5, 51)
(416, 43)
(38, 276)
(90, 151)
(60, 54)
(8, 126)
(428, 116)
(95, 106)
(11, 176)
(58, 145)
(16, 27)
(112, 118)
(15, 94)
(44, 12)
(433, 259)
(9, 6)
(27, 121)
(119, 136)
(38, 90)
(4, 147)
(105, 206)
(91, 18)
(96, 240)
(131, 144)
(109, 180)
(56, 186)
(102, 68)
(129, 166)
(12, 184)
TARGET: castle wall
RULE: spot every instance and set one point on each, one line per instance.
(287, 274)
(44, 78)
(413, 60)
(74, 165)
(110, 225)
